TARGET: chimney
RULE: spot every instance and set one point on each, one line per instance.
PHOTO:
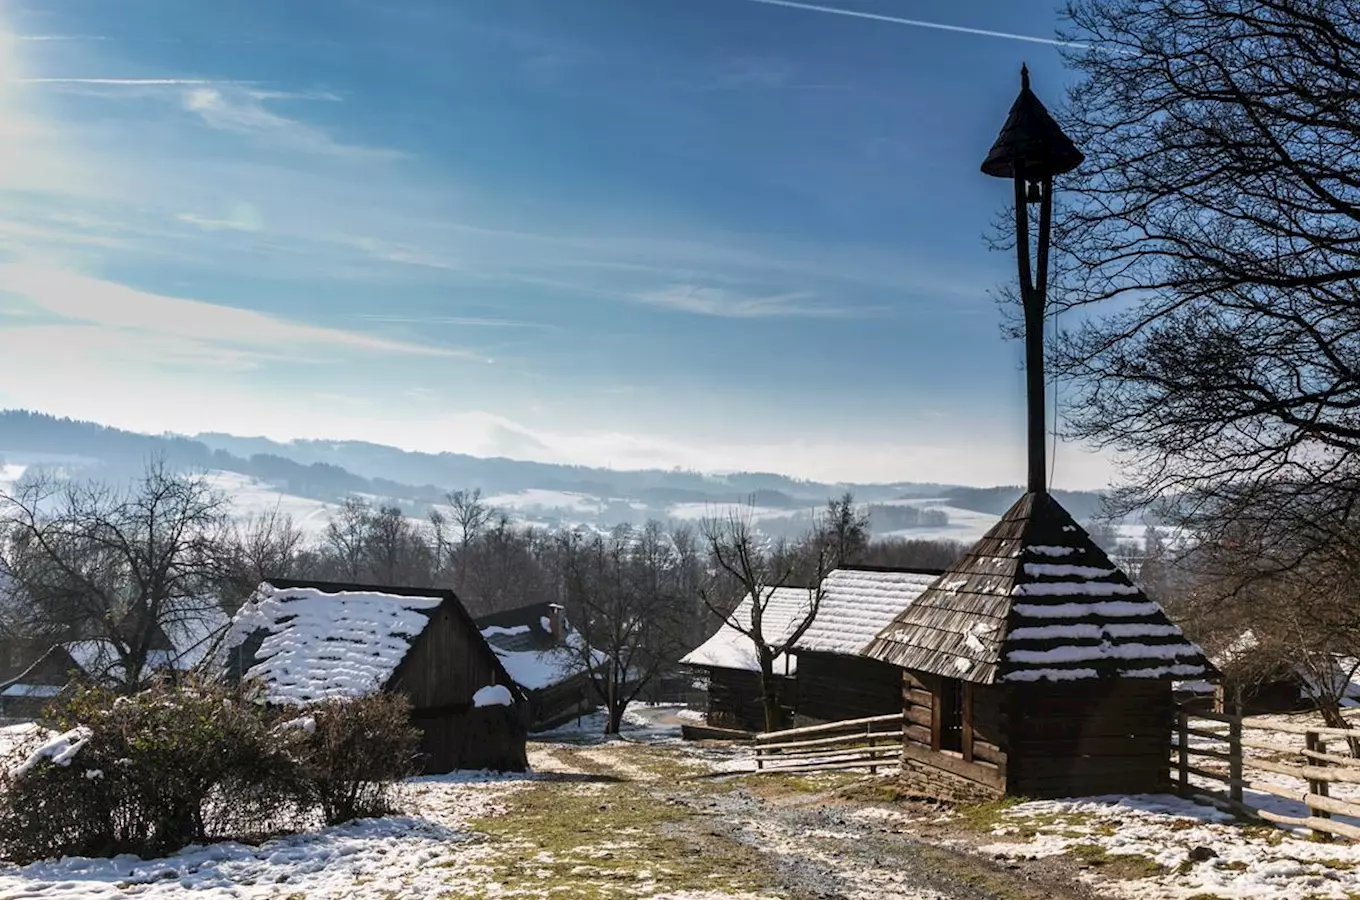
(555, 622)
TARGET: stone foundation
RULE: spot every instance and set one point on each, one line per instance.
(937, 784)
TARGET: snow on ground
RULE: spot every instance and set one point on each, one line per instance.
(539, 499)
(1161, 830)
(425, 853)
(249, 497)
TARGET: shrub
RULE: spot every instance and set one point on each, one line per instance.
(354, 751)
(150, 773)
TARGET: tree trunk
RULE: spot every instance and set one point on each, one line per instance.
(769, 692)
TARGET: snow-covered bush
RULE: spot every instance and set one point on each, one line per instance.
(147, 774)
(352, 752)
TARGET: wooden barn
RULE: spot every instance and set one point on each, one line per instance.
(835, 681)
(25, 695)
(546, 657)
(729, 668)
(306, 641)
(1034, 667)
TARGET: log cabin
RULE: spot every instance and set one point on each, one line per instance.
(308, 641)
(728, 666)
(835, 681)
(547, 658)
(1034, 667)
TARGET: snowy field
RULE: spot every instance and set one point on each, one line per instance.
(250, 497)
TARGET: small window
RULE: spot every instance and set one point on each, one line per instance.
(951, 714)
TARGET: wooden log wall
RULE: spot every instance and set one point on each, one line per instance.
(1083, 738)
(980, 770)
(832, 687)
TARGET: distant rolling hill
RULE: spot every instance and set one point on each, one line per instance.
(308, 479)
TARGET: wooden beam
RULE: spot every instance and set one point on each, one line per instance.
(830, 727)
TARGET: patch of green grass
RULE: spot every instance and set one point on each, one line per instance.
(1117, 865)
(608, 843)
(987, 816)
(1206, 897)
(1338, 865)
(1267, 834)
(1233, 865)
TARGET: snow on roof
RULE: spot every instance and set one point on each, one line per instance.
(99, 659)
(522, 640)
(1037, 600)
(320, 644)
(784, 610)
(857, 604)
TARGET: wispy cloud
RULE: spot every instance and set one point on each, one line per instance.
(708, 301)
(919, 23)
(91, 301)
(244, 112)
(241, 217)
(471, 321)
(131, 82)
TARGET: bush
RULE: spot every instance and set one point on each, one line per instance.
(170, 766)
(354, 751)
(143, 777)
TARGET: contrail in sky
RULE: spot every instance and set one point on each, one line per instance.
(896, 20)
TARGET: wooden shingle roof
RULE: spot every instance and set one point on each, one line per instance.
(857, 602)
(1036, 600)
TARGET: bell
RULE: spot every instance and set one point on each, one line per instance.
(1033, 194)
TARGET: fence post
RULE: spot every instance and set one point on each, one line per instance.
(1317, 787)
(1183, 744)
(760, 764)
(873, 742)
(1235, 760)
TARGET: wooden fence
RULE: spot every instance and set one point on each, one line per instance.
(1319, 770)
(852, 744)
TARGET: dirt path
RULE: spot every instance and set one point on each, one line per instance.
(796, 837)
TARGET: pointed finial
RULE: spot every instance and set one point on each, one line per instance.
(1024, 77)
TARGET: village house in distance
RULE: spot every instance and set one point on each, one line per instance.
(546, 658)
(306, 641)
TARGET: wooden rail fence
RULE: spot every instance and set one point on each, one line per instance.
(1319, 770)
(852, 744)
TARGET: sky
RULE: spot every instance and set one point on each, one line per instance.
(714, 234)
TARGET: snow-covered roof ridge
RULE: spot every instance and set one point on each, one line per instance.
(318, 643)
(1037, 600)
(858, 602)
(784, 610)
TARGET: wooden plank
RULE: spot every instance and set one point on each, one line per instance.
(1309, 773)
(1200, 732)
(1291, 728)
(826, 751)
(809, 757)
(1218, 717)
(1207, 773)
(978, 772)
(1327, 757)
(988, 752)
(858, 764)
(1091, 745)
(918, 697)
(917, 734)
(709, 733)
(920, 715)
(936, 715)
(829, 728)
(860, 737)
(1235, 761)
(1183, 766)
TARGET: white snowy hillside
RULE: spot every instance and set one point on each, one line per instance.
(320, 644)
(785, 609)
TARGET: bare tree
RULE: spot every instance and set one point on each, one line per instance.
(126, 567)
(745, 561)
(263, 545)
(345, 540)
(624, 601)
(1211, 237)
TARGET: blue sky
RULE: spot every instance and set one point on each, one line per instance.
(709, 233)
